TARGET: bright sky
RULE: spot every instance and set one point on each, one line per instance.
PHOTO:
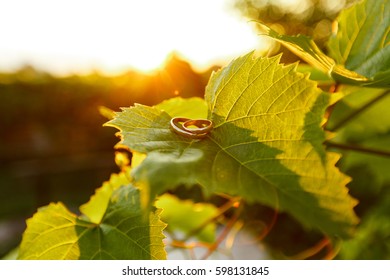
(77, 36)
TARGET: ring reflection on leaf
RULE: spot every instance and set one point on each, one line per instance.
(194, 129)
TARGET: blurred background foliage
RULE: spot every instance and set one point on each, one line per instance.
(312, 18)
(53, 146)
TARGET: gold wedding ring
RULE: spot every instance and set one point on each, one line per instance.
(201, 126)
(194, 129)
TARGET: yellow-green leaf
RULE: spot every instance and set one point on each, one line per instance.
(96, 207)
(266, 145)
(125, 232)
(192, 219)
(359, 53)
(362, 40)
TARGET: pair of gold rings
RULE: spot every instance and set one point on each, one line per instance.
(194, 129)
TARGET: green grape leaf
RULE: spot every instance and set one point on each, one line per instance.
(192, 219)
(125, 232)
(362, 40)
(96, 207)
(315, 74)
(266, 145)
(358, 54)
(307, 49)
(302, 46)
(322, 79)
(192, 108)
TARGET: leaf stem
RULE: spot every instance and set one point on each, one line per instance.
(224, 233)
(269, 227)
(312, 251)
(358, 149)
(333, 250)
(348, 118)
(266, 228)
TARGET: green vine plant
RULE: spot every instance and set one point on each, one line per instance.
(260, 153)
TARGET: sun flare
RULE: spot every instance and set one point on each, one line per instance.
(112, 36)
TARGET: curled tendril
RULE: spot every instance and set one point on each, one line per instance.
(194, 129)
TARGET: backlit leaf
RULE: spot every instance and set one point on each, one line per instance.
(307, 49)
(193, 108)
(358, 54)
(125, 232)
(266, 145)
(188, 217)
(96, 207)
(362, 40)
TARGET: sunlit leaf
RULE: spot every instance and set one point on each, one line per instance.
(358, 54)
(307, 49)
(193, 108)
(125, 232)
(304, 47)
(315, 73)
(362, 40)
(96, 207)
(188, 217)
(266, 145)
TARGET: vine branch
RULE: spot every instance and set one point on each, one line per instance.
(312, 251)
(357, 148)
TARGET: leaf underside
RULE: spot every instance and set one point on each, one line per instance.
(266, 145)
